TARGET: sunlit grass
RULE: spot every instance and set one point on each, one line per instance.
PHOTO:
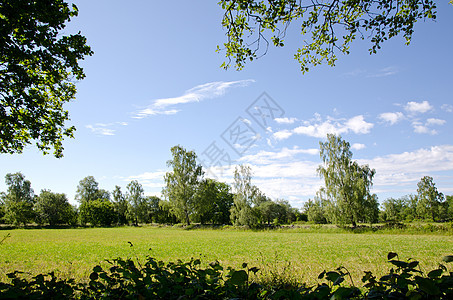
(73, 252)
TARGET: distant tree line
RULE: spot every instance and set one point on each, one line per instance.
(189, 197)
(346, 196)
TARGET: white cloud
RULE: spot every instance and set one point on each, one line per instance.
(105, 128)
(355, 124)
(285, 120)
(285, 154)
(282, 135)
(447, 107)
(391, 117)
(408, 167)
(100, 129)
(201, 92)
(433, 121)
(422, 129)
(418, 107)
(358, 146)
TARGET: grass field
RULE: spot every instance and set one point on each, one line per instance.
(73, 252)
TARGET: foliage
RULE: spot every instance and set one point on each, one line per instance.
(120, 204)
(245, 196)
(18, 200)
(97, 212)
(88, 190)
(333, 26)
(128, 279)
(38, 65)
(213, 202)
(429, 199)
(54, 208)
(315, 211)
(347, 184)
(135, 199)
(164, 214)
(182, 182)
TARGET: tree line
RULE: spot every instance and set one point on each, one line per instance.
(189, 197)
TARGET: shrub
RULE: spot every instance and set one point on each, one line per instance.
(127, 279)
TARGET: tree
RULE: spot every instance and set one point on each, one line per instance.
(120, 204)
(314, 210)
(182, 183)
(54, 208)
(18, 200)
(245, 196)
(429, 199)
(135, 197)
(346, 182)
(223, 202)
(393, 210)
(88, 190)
(449, 205)
(164, 215)
(38, 65)
(213, 202)
(333, 25)
(97, 212)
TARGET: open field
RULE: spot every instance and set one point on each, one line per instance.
(73, 252)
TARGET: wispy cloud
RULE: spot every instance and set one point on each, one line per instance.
(319, 128)
(166, 106)
(447, 107)
(387, 71)
(105, 128)
(285, 120)
(384, 72)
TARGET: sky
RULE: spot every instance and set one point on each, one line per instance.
(155, 81)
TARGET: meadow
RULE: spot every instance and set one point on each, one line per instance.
(304, 253)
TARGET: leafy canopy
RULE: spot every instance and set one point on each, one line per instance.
(181, 184)
(38, 67)
(347, 184)
(332, 26)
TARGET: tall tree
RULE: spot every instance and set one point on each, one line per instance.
(213, 202)
(347, 183)
(429, 199)
(54, 208)
(245, 196)
(38, 65)
(120, 204)
(18, 200)
(332, 26)
(135, 197)
(182, 182)
(88, 190)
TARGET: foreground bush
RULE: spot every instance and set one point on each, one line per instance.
(126, 279)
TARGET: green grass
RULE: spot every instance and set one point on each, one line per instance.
(73, 252)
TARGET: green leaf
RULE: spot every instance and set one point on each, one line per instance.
(427, 285)
(435, 273)
(239, 278)
(448, 258)
(97, 269)
(391, 255)
(94, 276)
(332, 276)
(399, 263)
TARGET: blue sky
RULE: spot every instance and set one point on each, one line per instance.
(155, 81)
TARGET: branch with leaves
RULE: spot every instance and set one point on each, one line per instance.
(331, 26)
